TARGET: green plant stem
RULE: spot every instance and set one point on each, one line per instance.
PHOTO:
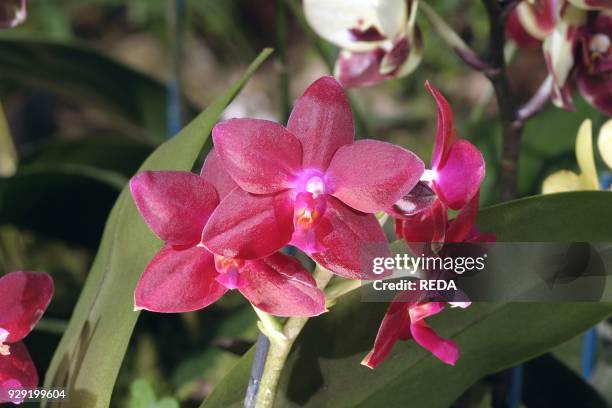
(280, 348)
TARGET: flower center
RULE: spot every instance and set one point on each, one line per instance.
(229, 272)
(4, 348)
(315, 186)
(599, 43)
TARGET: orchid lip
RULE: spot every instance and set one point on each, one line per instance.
(4, 348)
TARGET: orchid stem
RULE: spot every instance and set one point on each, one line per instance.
(280, 348)
(512, 126)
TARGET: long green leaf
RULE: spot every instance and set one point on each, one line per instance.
(324, 368)
(89, 355)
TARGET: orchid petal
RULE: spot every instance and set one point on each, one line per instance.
(559, 52)
(419, 199)
(215, 174)
(174, 204)
(356, 69)
(460, 227)
(391, 328)
(178, 280)
(538, 18)
(356, 25)
(405, 56)
(561, 181)
(596, 89)
(279, 285)
(261, 156)
(24, 297)
(445, 350)
(445, 133)
(323, 122)
(249, 226)
(604, 142)
(17, 372)
(585, 157)
(460, 175)
(517, 33)
(12, 13)
(592, 4)
(423, 228)
(385, 174)
(349, 239)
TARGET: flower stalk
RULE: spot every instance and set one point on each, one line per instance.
(512, 125)
(280, 346)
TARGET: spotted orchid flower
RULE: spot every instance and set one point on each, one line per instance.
(580, 47)
(532, 21)
(309, 185)
(378, 40)
(405, 317)
(457, 169)
(24, 297)
(12, 13)
(566, 180)
(184, 276)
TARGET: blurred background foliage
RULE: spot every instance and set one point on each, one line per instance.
(84, 87)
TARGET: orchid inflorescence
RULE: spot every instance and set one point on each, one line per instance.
(309, 185)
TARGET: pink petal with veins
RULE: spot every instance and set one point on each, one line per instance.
(261, 156)
(174, 204)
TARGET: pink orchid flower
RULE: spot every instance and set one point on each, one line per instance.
(12, 13)
(184, 276)
(406, 319)
(24, 297)
(378, 40)
(308, 185)
(532, 21)
(457, 172)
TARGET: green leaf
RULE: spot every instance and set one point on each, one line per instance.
(8, 155)
(134, 101)
(89, 355)
(143, 396)
(324, 367)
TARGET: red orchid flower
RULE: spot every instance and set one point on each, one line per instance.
(406, 319)
(308, 185)
(24, 296)
(184, 276)
(12, 13)
(458, 169)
